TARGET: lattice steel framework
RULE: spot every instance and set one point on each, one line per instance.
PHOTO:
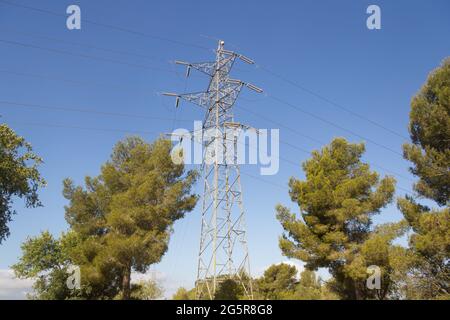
(223, 245)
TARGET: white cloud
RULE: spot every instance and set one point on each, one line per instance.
(12, 288)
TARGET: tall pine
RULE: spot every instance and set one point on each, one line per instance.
(337, 201)
(429, 153)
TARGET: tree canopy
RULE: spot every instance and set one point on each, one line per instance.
(429, 128)
(337, 202)
(429, 153)
(277, 282)
(120, 221)
(19, 176)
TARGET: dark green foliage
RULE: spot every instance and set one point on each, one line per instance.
(229, 289)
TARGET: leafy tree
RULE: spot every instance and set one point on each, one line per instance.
(308, 287)
(120, 222)
(277, 282)
(337, 201)
(280, 282)
(19, 176)
(47, 260)
(430, 154)
(430, 134)
(229, 289)
(184, 294)
(125, 215)
(146, 290)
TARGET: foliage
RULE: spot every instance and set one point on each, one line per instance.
(308, 287)
(277, 282)
(19, 176)
(120, 222)
(229, 289)
(428, 260)
(280, 282)
(430, 134)
(337, 202)
(184, 294)
(46, 259)
(146, 290)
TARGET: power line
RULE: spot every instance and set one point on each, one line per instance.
(27, 45)
(70, 109)
(295, 84)
(279, 124)
(53, 78)
(295, 107)
(312, 139)
(330, 102)
(331, 123)
(159, 69)
(63, 126)
(288, 189)
(273, 97)
(86, 45)
(104, 25)
(264, 180)
(263, 68)
(179, 120)
(62, 79)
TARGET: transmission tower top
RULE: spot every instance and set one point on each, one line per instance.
(220, 69)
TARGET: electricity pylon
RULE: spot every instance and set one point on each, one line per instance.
(223, 244)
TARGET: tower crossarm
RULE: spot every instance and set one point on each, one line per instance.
(208, 68)
(201, 99)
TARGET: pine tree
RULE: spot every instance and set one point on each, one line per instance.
(120, 222)
(430, 154)
(337, 202)
(278, 282)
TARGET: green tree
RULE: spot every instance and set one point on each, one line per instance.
(277, 282)
(280, 282)
(229, 289)
(125, 215)
(308, 287)
(337, 202)
(430, 134)
(120, 222)
(430, 155)
(184, 294)
(19, 176)
(47, 260)
(146, 290)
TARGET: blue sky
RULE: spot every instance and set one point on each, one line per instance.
(324, 46)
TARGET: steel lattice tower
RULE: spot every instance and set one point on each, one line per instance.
(223, 245)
